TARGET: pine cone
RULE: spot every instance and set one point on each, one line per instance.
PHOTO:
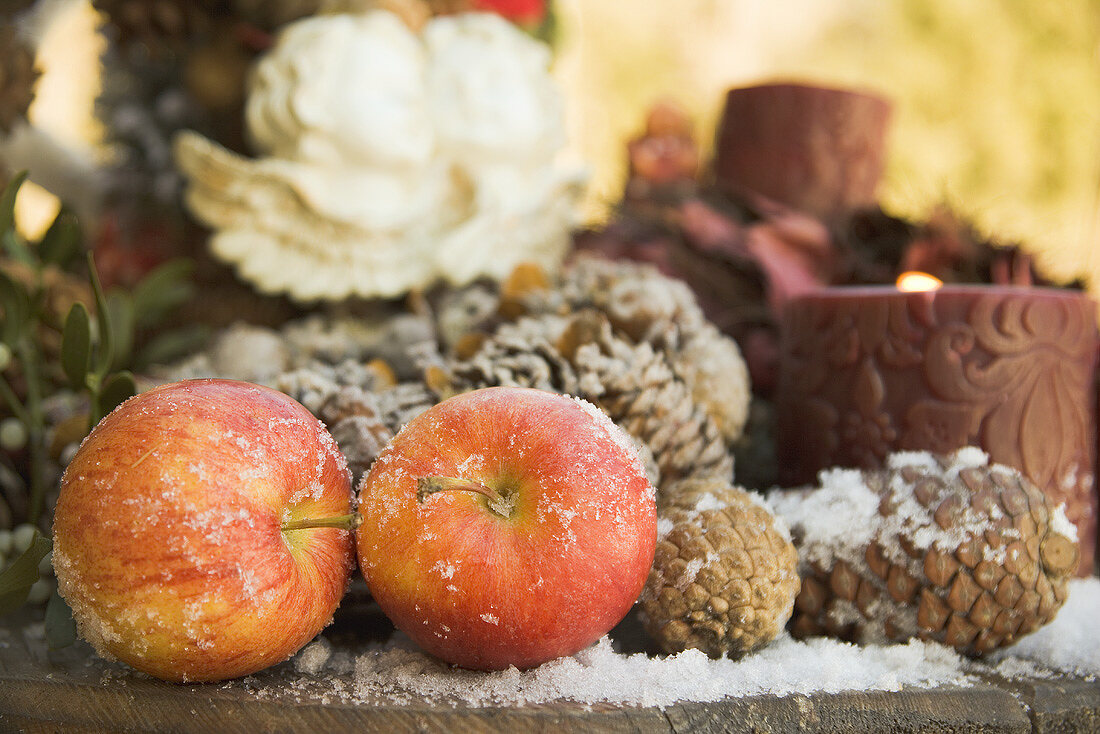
(17, 78)
(271, 15)
(355, 421)
(949, 549)
(724, 577)
(643, 305)
(711, 364)
(160, 24)
(522, 354)
(641, 392)
(639, 301)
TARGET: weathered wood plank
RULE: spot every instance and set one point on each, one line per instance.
(70, 691)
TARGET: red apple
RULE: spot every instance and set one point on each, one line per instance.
(186, 534)
(507, 527)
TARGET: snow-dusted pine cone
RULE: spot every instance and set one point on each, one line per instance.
(950, 549)
(644, 306)
(725, 575)
(17, 77)
(639, 389)
(523, 354)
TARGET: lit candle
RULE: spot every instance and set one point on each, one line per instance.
(866, 371)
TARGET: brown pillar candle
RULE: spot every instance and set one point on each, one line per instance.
(814, 148)
(865, 371)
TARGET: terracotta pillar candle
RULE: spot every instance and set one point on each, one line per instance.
(869, 370)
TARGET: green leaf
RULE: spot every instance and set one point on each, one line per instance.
(60, 625)
(16, 303)
(163, 289)
(116, 388)
(106, 341)
(172, 345)
(120, 311)
(76, 345)
(17, 579)
(62, 240)
(17, 249)
(7, 201)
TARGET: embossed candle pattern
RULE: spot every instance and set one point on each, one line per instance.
(869, 370)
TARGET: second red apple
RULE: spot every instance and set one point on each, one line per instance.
(507, 527)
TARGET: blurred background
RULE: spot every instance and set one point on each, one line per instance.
(996, 103)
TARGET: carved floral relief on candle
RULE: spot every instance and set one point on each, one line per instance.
(868, 371)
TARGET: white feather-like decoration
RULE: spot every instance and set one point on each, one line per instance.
(390, 160)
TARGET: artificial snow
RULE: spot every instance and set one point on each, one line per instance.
(399, 674)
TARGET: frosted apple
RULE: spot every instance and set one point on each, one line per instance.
(507, 527)
(192, 534)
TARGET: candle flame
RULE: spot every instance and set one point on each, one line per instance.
(913, 281)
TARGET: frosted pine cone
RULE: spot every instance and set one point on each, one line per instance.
(949, 549)
(638, 388)
(711, 364)
(725, 576)
(639, 301)
(523, 354)
(644, 306)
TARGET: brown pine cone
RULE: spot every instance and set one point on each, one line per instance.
(725, 575)
(639, 389)
(160, 25)
(523, 354)
(949, 549)
(18, 75)
(271, 15)
(644, 306)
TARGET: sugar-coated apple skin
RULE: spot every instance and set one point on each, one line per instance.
(168, 540)
(485, 591)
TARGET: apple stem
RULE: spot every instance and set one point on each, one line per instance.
(426, 486)
(344, 522)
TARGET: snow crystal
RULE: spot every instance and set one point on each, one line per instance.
(397, 672)
(708, 501)
(313, 657)
(840, 516)
(969, 457)
(1061, 524)
(1069, 643)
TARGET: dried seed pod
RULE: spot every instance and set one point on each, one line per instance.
(725, 576)
(946, 548)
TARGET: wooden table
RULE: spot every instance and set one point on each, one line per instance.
(73, 691)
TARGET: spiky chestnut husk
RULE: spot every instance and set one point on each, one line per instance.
(958, 551)
(725, 575)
